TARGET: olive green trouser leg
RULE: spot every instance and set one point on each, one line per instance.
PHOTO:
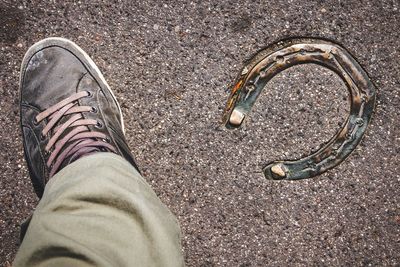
(99, 211)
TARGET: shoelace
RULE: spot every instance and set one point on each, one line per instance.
(79, 141)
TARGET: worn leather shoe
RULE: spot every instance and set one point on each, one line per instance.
(67, 110)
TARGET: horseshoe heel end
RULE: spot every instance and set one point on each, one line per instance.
(276, 171)
(291, 170)
(235, 118)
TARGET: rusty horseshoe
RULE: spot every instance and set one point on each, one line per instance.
(282, 55)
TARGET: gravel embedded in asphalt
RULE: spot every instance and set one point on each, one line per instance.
(169, 64)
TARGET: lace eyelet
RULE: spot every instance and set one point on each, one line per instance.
(35, 122)
(90, 94)
(93, 110)
(42, 137)
(107, 140)
(98, 125)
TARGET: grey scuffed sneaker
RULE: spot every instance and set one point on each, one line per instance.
(67, 110)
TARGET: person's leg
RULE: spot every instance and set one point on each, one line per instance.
(96, 209)
(99, 211)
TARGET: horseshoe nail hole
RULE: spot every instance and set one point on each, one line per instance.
(250, 87)
(279, 59)
(300, 109)
(360, 122)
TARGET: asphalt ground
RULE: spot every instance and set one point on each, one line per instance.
(169, 64)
